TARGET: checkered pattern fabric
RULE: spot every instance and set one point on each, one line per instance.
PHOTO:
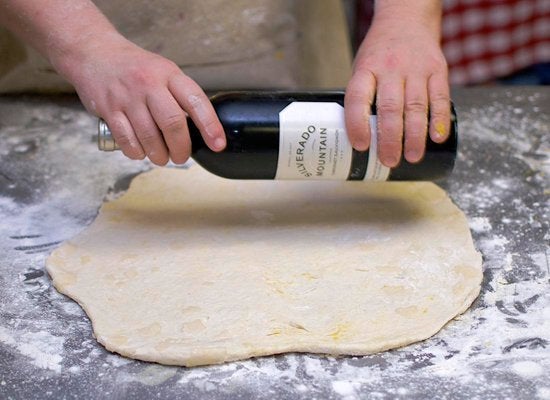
(486, 39)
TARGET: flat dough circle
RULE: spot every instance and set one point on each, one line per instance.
(190, 269)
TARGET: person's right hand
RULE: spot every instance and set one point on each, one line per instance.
(144, 99)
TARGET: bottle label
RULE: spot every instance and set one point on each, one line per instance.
(376, 171)
(313, 142)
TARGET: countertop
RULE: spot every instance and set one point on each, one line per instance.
(53, 180)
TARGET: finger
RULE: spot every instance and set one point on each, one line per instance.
(389, 105)
(195, 102)
(416, 118)
(124, 135)
(357, 106)
(148, 134)
(440, 107)
(172, 122)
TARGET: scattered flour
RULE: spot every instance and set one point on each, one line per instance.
(480, 224)
(527, 369)
(345, 389)
(41, 206)
(504, 338)
(543, 392)
(43, 349)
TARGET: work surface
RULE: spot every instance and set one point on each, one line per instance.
(53, 180)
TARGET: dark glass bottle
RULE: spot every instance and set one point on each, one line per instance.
(252, 122)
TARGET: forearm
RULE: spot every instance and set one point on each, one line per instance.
(425, 12)
(61, 30)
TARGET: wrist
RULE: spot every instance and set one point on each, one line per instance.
(425, 14)
(69, 56)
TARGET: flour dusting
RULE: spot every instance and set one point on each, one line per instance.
(53, 180)
(43, 349)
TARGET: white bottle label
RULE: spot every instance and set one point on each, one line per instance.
(313, 144)
(376, 171)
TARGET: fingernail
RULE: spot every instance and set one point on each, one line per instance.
(391, 161)
(412, 155)
(219, 143)
(440, 129)
(361, 145)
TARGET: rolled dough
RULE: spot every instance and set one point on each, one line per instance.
(190, 269)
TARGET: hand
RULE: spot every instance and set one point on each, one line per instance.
(144, 98)
(401, 61)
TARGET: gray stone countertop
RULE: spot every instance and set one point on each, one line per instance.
(53, 180)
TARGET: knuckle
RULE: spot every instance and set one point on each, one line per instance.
(128, 146)
(389, 143)
(173, 123)
(194, 100)
(389, 106)
(116, 126)
(357, 94)
(362, 73)
(148, 138)
(416, 105)
(142, 77)
(440, 98)
(441, 62)
(171, 67)
(178, 78)
(362, 65)
(123, 141)
(115, 96)
(437, 62)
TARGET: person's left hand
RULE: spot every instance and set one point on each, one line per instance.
(401, 62)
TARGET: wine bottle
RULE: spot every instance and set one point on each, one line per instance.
(300, 135)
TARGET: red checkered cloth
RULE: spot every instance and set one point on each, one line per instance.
(484, 39)
(487, 39)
